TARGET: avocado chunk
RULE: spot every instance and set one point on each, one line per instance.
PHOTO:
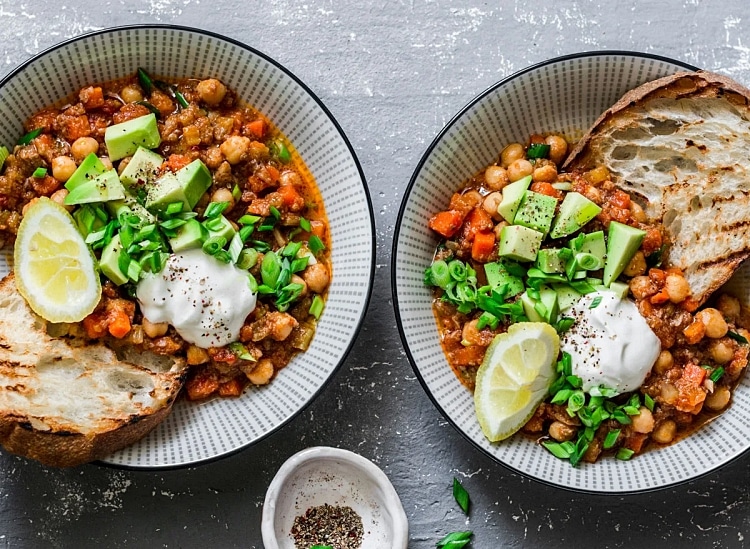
(619, 288)
(575, 211)
(220, 228)
(186, 186)
(89, 168)
(109, 264)
(512, 196)
(124, 139)
(552, 260)
(497, 275)
(544, 309)
(594, 244)
(566, 296)
(519, 243)
(87, 220)
(190, 235)
(529, 308)
(129, 205)
(622, 243)
(536, 211)
(102, 188)
(142, 169)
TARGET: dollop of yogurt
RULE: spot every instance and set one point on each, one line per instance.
(207, 301)
(610, 343)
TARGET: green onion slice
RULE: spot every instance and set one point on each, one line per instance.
(316, 307)
(39, 172)
(29, 137)
(461, 495)
(538, 150)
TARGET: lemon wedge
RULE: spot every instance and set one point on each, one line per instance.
(514, 377)
(54, 269)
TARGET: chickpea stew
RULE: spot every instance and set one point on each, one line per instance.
(486, 276)
(210, 174)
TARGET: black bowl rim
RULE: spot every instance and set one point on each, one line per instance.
(395, 245)
(358, 328)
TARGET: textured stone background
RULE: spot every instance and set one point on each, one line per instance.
(393, 73)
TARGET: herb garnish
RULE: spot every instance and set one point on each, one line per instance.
(454, 540)
(461, 495)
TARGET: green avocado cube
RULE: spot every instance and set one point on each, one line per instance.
(109, 264)
(124, 139)
(551, 260)
(142, 169)
(220, 227)
(550, 308)
(529, 308)
(190, 235)
(129, 205)
(497, 275)
(594, 244)
(575, 211)
(536, 211)
(88, 169)
(186, 186)
(512, 197)
(566, 296)
(102, 188)
(622, 243)
(519, 243)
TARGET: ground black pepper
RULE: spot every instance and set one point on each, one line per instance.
(339, 527)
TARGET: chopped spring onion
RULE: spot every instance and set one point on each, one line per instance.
(595, 302)
(538, 150)
(438, 274)
(214, 245)
(270, 269)
(150, 106)
(611, 438)
(236, 192)
(241, 351)
(648, 401)
(316, 244)
(454, 540)
(39, 172)
(287, 295)
(305, 224)
(281, 151)
(717, 374)
(235, 247)
(624, 454)
(299, 264)
(461, 495)
(145, 81)
(215, 209)
(316, 307)
(487, 319)
(248, 219)
(737, 337)
(588, 261)
(173, 208)
(245, 232)
(247, 259)
(29, 137)
(4, 153)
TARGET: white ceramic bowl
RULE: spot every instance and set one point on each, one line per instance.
(198, 432)
(562, 95)
(321, 475)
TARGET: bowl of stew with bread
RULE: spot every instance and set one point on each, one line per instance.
(188, 248)
(568, 272)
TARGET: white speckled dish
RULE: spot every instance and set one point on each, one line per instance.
(323, 475)
(198, 432)
(562, 95)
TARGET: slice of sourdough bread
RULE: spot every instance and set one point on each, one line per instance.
(67, 403)
(681, 145)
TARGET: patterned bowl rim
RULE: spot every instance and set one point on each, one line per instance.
(366, 193)
(394, 275)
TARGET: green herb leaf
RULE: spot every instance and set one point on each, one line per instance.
(737, 337)
(538, 150)
(454, 540)
(461, 495)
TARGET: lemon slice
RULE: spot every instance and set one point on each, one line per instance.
(54, 269)
(514, 377)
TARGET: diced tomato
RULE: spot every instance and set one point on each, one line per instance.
(233, 387)
(176, 162)
(465, 202)
(201, 386)
(256, 128)
(95, 325)
(291, 198)
(446, 223)
(91, 97)
(542, 187)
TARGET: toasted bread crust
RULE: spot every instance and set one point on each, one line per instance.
(68, 403)
(673, 143)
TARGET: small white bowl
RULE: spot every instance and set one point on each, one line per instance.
(337, 477)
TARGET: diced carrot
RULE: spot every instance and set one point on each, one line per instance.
(694, 374)
(74, 127)
(483, 246)
(273, 173)
(291, 198)
(446, 223)
(477, 221)
(662, 296)
(694, 332)
(464, 203)
(657, 275)
(91, 97)
(318, 228)
(543, 187)
(95, 326)
(256, 128)
(119, 325)
(689, 304)
(176, 162)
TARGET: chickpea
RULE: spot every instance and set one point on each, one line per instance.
(642, 287)
(234, 148)
(490, 204)
(106, 162)
(498, 230)
(289, 177)
(637, 265)
(131, 94)
(664, 432)
(296, 279)
(558, 148)
(262, 373)
(729, 306)
(677, 288)
(644, 421)
(154, 329)
(519, 168)
(546, 173)
(719, 399)
(211, 91)
(28, 205)
(63, 167)
(281, 325)
(637, 212)
(59, 197)
(561, 432)
(123, 164)
(470, 333)
(496, 177)
(669, 393)
(664, 362)
(511, 153)
(722, 350)
(714, 322)
(317, 277)
(84, 146)
(223, 195)
(196, 355)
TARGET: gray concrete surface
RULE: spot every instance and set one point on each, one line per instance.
(393, 73)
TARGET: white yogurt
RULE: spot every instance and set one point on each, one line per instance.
(207, 301)
(611, 344)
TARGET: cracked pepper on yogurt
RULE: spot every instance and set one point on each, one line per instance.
(640, 364)
(208, 230)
